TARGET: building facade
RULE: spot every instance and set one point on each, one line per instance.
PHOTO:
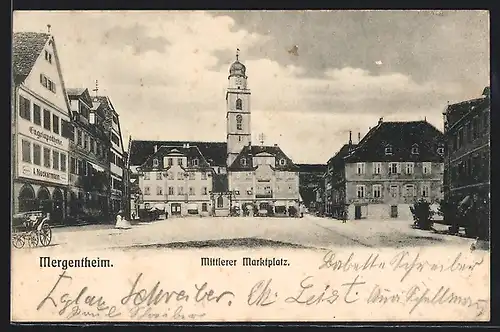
(116, 153)
(394, 165)
(237, 172)
(334, 195)
(89, 168)
(264, 178)
(311, 185)
(40, 127)
(203, 166)
(467, 163)
(177, 181)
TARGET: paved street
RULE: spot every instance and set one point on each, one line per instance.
(310, 232)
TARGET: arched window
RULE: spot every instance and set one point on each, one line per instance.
(239, 120)
(239, 105)
(220, 202)
(27, 201)
(282, 161)
(243, 162)
(43, 197)
(155, 162)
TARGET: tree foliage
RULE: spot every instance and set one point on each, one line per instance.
(422, 214)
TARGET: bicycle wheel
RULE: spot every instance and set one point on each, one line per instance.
(45, 235)
(18, 241)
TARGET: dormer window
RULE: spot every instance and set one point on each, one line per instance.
(440, 150)
(388, 150)
(243, 162)
(155, 162)
(239, 104)
(414, 149)
(195, 162)
(282, 161)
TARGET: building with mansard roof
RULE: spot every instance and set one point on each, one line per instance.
(40, 126)
(395, 164)
(235, 173)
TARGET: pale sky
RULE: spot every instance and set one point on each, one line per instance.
(166, 72)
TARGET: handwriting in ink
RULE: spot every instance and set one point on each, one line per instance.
(202, 295)
(71, 305)
(260, 293)
(154, 296)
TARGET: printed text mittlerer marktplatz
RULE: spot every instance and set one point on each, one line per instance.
(245, 261)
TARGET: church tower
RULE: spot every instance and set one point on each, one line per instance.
(238, 110)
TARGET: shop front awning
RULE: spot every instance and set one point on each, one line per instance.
(192, 206)
(96, 167)
(159, 206)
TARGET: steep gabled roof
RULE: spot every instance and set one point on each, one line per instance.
(26, 48)
(401, 136)
(75, 91)
(213, 152)
(248, 152)
(339, 156)
(80, 93)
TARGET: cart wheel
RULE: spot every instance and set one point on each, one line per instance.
(45, 235)
(32, 238)
(18, 241)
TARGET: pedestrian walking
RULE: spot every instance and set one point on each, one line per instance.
(344, 216)
(122, 223)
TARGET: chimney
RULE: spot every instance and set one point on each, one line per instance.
(249, 143)
(275, 144)
(156, 148)
(380, 120)
(350, 137)
(359, 137)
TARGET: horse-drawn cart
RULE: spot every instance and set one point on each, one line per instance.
(31, 228)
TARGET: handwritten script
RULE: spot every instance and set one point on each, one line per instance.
(340, 280)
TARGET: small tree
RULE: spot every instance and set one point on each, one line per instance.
(422, 214)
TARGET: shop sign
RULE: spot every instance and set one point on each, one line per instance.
(37, 173)
(42, 135)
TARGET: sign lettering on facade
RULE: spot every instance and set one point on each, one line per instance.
(34, 172)
(43, 136)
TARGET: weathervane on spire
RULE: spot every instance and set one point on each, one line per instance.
(48, 28)
(96, 88)
(261, 138)
(237, 54)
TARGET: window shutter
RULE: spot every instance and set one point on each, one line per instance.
(398, 166)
